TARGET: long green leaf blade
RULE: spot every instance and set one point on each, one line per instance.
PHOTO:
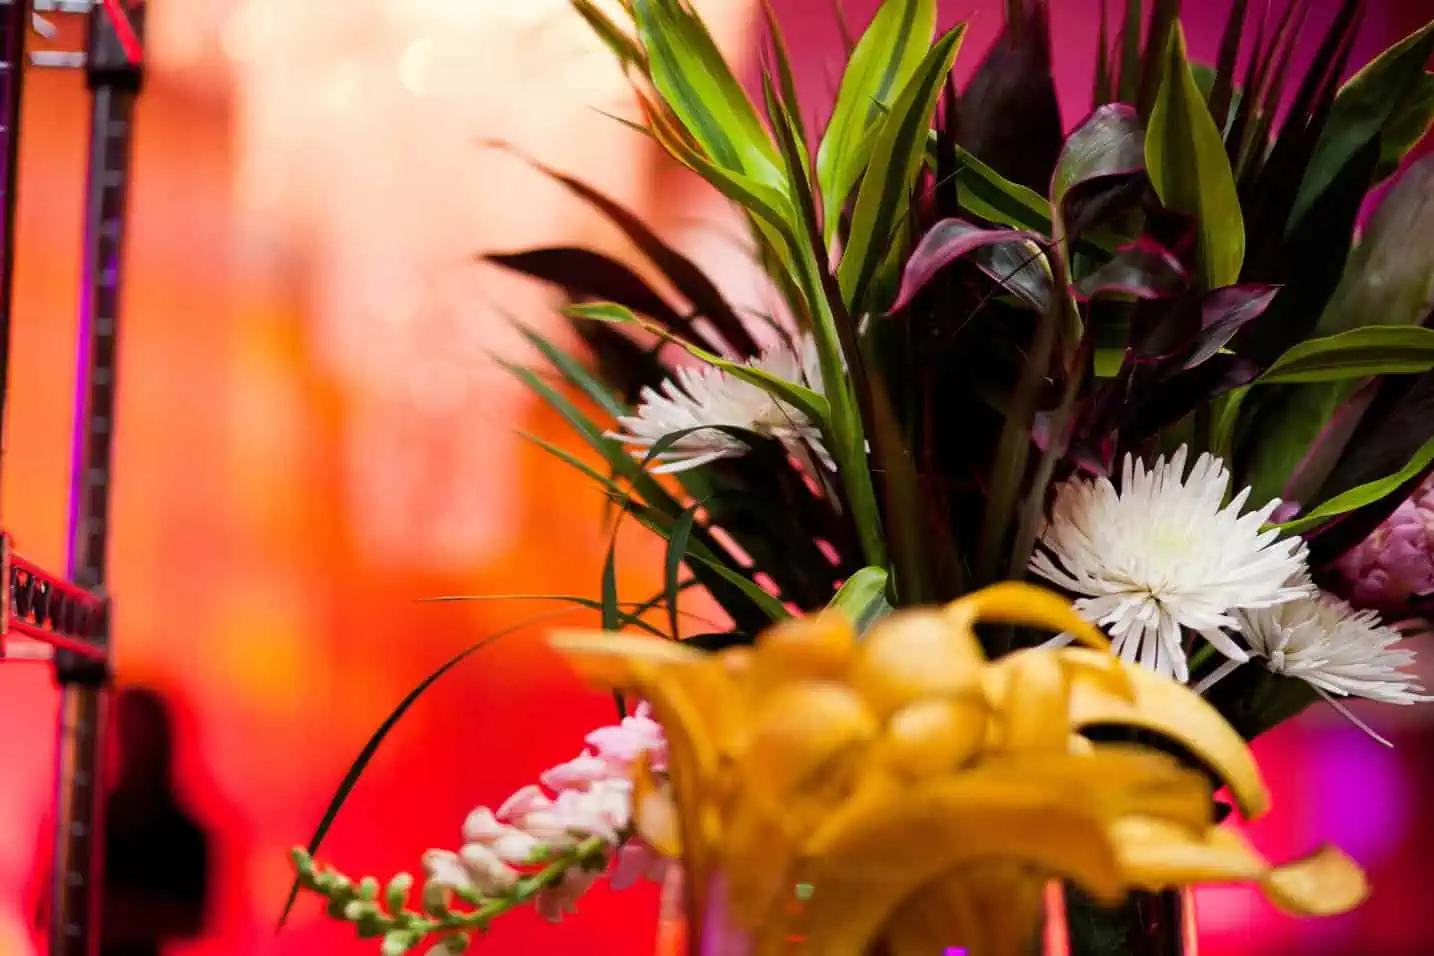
(1365, 494)
(883, 62)
(1358, 353)
(1364, 108)
(1185, 157)
(861, 596)
(695, 82)
(370, 748)
(885, 191)
(676, 552)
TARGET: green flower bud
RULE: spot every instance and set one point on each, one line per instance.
(456, 943)
(368, 888)
(356, 910)
(373, 924)
(397, 892)
(397, 943)
(435, 899)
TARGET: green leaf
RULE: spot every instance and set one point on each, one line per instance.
(693, 79)
(1185, 157)
(366, 755)
(862, 597)
(1407, 128)
(676, 552)
(811, 403)
(1358, 353)
(882, 200)
(626, 618)
(614, 37)
(1384, 91)
(701, 554)
(888, 55)
(1365, 494)
(988, 195)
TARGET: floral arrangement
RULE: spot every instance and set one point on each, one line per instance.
(1153, 363)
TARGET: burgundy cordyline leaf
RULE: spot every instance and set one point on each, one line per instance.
(1012, 119)
(1224, 312)
(1099, 171)
(946, 242)
(585, 274)
(1143, 269)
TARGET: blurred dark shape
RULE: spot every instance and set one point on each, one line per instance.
(156, 854)
(156, 865)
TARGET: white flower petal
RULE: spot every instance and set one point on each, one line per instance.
(1327, 643)
(1165, 554)
(710, 399)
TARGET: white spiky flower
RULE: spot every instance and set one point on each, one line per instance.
(1335, 648)
(704, 396)
(1164, 554)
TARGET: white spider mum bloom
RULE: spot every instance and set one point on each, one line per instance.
(702, 396)
(1165, 553)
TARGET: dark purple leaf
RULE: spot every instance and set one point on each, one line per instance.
(1180, 394)
(689, 280)
(1224, 312)
(1308, 263)
(1104, 90)
(952, 239)
(1162, 22)
(1109, 142)
(1143, 270)
(1223, 88)
(1012, 120)
(588, 275)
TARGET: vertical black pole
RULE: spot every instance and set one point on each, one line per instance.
(114, 80)
(15, 26)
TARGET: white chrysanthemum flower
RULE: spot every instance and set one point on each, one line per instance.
(1165, 553)
(1334, 647)
(702, 396)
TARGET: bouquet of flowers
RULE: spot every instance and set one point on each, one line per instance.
(1152, 363)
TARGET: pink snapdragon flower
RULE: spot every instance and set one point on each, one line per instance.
(1395, 564)
(586, 797)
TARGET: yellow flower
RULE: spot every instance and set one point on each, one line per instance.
(925, 794)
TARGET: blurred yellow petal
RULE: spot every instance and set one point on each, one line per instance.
(914, 655)
(757, 861)
(653, 815)
(1035, 715)
(1175, 712)
(936, 918)
(1009, 899)
(937, 826)
(1322, 884)
(1015, 602)
(1123, 779)
(807, 743)
(1158, 854)
(934, 736)
(808, 648)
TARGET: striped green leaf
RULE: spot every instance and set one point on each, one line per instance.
(1358, 353)
(882, 200)
(1185, 158)
(889, 53)
(694, 81)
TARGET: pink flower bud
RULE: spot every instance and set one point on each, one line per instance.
(1395, 565)
(490, 875)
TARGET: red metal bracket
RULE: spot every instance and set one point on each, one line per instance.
(45, 607)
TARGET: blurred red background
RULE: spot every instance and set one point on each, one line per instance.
(291, 480)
